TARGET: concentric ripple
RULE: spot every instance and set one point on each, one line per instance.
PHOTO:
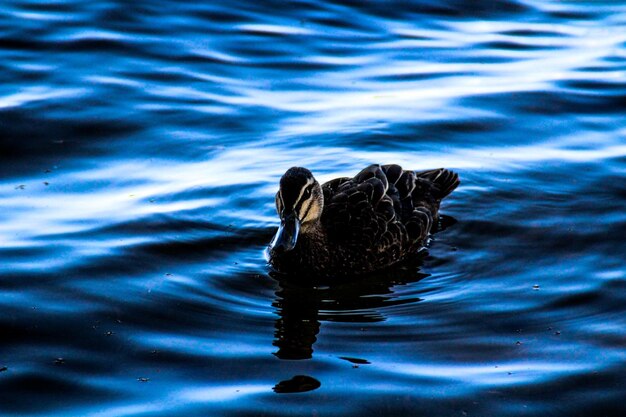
(141, 144)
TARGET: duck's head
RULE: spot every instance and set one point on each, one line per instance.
(299, 203)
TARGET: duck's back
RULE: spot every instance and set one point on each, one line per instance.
(383, 213)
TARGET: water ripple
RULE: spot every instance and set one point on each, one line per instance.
(140, 151)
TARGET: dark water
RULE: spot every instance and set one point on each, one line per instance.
(141, 145)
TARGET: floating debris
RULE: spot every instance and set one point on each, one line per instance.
(536, 287)
(20, 187)
(142, 379)
(299, 383)
(59, 361)
(3, 368)
(557, 333)
(518, 343)
(109, 333)
(355, 360)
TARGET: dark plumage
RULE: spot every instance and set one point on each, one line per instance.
(351, 226)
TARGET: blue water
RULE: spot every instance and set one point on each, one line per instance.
(141, 144)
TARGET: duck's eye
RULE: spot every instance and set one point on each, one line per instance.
(307, 193)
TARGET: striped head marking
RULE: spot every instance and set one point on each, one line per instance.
(301, 194)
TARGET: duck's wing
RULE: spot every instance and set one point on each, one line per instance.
(384, 206)
(419, 194)
(443, 180)
(364, 211)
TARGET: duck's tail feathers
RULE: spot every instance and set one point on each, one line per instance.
(445, 180)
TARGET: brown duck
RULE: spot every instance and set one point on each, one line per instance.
(352, 226)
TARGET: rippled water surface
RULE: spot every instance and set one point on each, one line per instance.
(141, 145)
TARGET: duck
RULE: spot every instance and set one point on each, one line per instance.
(354, 226)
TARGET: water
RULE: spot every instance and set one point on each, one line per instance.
(141, 146)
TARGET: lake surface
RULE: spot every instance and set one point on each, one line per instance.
(141, 144)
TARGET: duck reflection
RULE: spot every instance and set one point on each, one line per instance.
(303, 305)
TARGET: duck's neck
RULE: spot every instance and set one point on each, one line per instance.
(313, 232)
(312, 240)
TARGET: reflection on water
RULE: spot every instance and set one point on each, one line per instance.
(141, 144)
(302, 302)
(301, 308)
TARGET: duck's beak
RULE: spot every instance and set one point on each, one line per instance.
(287, 234)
